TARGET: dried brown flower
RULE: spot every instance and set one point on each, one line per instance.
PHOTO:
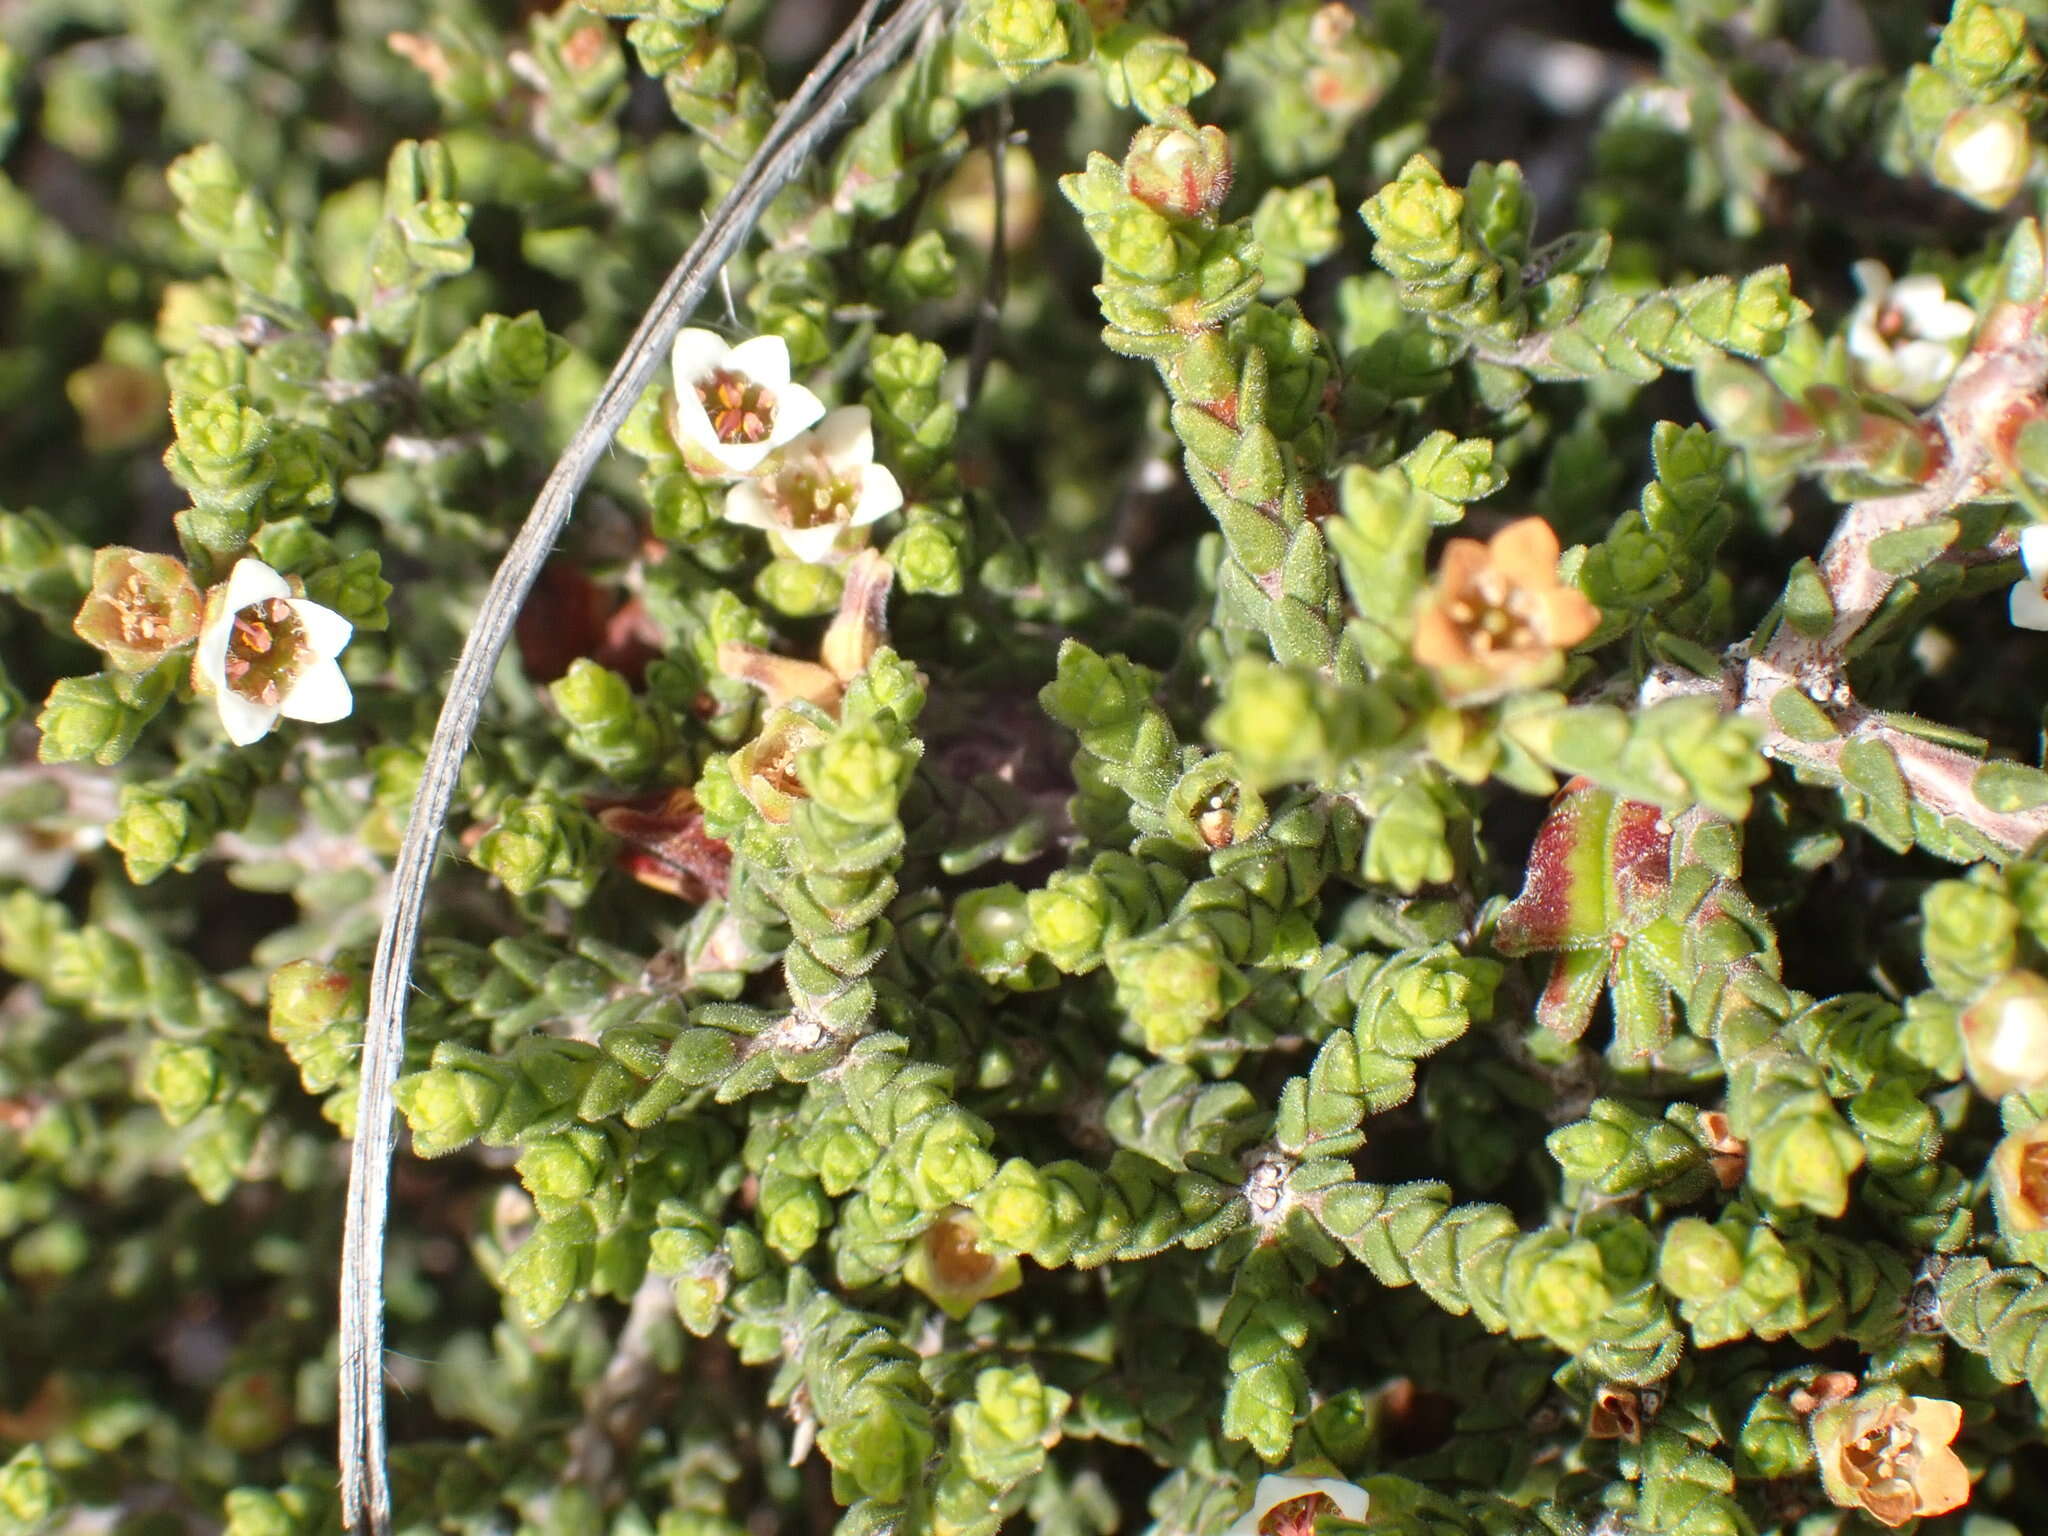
(1891, 1456)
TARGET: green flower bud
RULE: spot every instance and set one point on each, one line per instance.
(1806, 1159)
(251, 1411)
(1016, 1207)
(1417, 216)
(1071, 920)
(447, 1107)
(1969, 935)
(154, 832)
(1557, 1289)
(180, 1079)
(1698, 1263)
(544, 842)
(794, 1212)
(1183, 172)
(1173, 990)
(927, 560)
(1985, 46)
(801, 589)
(878, 1449)
(857, 774)
(560, 1170)
(2005, 1035)
(30, 1499)
(1021, 36)
(995, 929)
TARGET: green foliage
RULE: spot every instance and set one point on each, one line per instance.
(1351, 882)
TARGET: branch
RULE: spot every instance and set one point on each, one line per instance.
(854, 61)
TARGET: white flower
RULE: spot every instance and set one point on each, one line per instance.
(1267, 1518)
(2030, 597)
(264, 653)
(735, 405)
(824, 483)
(1906, 336)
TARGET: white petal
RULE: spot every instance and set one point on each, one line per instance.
(696, 355)
(1949, 320)
(319, 696)
(1924, 366)
(244, 720)
(251, 581)
(690, 424)
(751, 506)
(846, 437)
(1914, 296)
(2029, 608)
(811, 545)
(327, 632)
(764, 359)
(879, 495)
(211, 658)
(796, 410)
(2034, 551)
(737, 458)
(1866, 341)
(1874, 278)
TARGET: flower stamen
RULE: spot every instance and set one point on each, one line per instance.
(741, 410)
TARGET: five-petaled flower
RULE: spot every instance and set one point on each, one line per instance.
(733, 406)
(1906, 335)
(1498, 618)
(1891, 1456)
(2030, 596)
(818, 487)
(1289, 1506)
(141, 607)
(265, 653)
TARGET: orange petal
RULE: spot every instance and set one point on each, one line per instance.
(1462, 560)
(1936, 1420)
(1943, 1483)
(1526, 552)
(1568, 617)
(782, 678)
(1439, 641)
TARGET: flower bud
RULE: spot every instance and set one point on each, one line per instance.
(951, 1266)
(2005, 1035)
(1983, 154)
(1180, 171)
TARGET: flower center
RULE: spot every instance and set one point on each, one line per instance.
(2034, 1176)
(813, 497)
(741, 410)
(1891, 322)
(959, 1260)
(266, 651)
(1297, 1517)
(142, 621)
(1497, 615)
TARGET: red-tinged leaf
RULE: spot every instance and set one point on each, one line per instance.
(1600, 868)
(568, 617)
(1566, 1006)
(665, 845)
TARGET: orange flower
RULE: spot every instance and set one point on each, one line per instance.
(1498, 617)
(1891, 1456)
(2019, 1179)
